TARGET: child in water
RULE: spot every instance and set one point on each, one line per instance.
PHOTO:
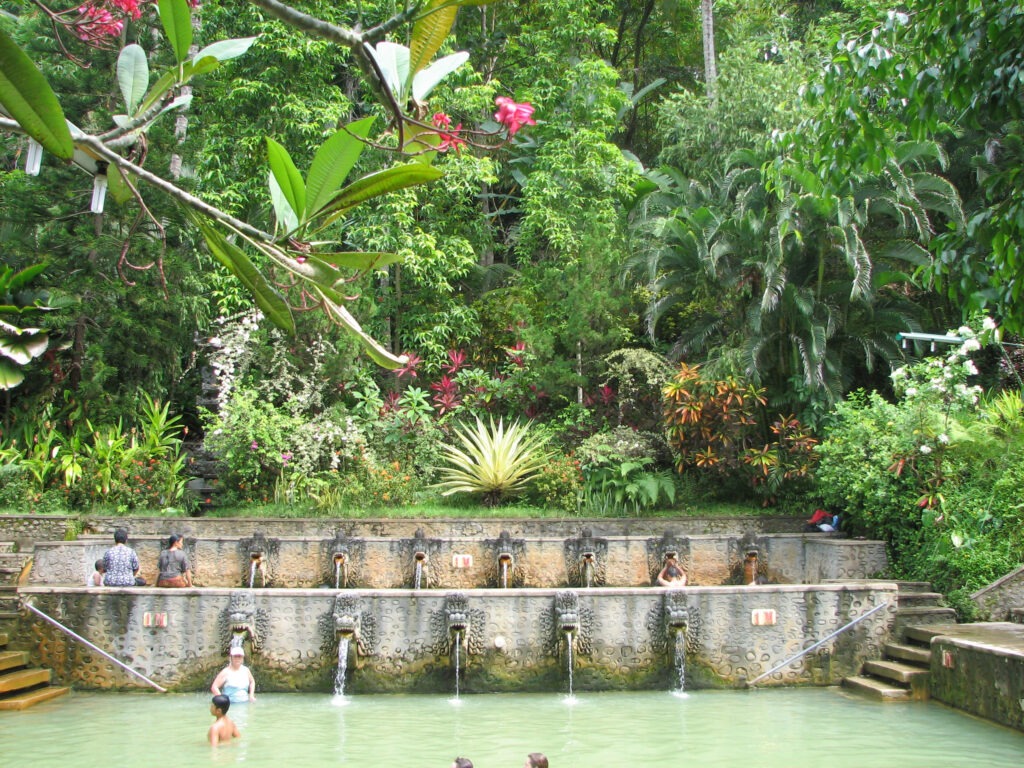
(223, 728)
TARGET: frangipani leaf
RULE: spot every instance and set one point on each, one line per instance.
(425, 81)
(287, 176)
(373, 348)
(26, 346)
(333, 162)
(10, 377)
(375, 184)
(30, 101)
(286, 216)
(163, 84)
(225, 50)
(117, 186)
(132, 75)
(429, 32)
(393, 60)
(176, 18)
(13, 282)
(235, 260)
(359, 261)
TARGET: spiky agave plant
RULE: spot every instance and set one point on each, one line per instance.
(493, 461)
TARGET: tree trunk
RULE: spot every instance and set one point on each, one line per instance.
(707, 23)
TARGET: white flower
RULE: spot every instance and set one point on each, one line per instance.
(899, 373)
(988, 324)
(926, 449)
(943, 438)
(964, 331)
(971, 345)
(911, 391)
(971, 368)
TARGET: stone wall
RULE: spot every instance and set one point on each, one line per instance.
(510, 639)
(999, 599)
(200, 527)
(27, 529)
(980, 669)
(458, 562)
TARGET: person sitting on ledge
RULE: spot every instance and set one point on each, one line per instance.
(536, 760)
(96, 577)
(173, 564)
(822, 521)
(462, 762)
(672, 575)
(121, 563)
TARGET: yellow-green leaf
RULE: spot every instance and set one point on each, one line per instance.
(429, 32)
(176, 18)
(30, 101)
(237, 263)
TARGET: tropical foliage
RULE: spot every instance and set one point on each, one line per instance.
(493, 461)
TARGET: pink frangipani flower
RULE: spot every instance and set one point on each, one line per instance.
(513, 116)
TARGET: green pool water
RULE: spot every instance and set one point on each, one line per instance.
(787, 728)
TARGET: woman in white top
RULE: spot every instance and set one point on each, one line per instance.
(235, 681)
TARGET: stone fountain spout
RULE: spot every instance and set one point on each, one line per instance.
(586, 558)
(677, 626)
(341, 555)
(340, 570)
(588, 567)
(245, 623)
(567, 614)
(257, 569)
(258, 552)
(506, 569)
(508, 559)
(420, 564)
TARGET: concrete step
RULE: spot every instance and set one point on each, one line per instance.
(31, 698)
(876, 689)
(914, 586)
(24, 678)
(13, 660)
(915, 654)
(919, 599)
(924, 615)
(895, 671)
(924, 634)
(7, 546)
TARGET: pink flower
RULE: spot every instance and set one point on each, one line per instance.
(130, 7)
(441, 120)
(513, 116)
(451, 140)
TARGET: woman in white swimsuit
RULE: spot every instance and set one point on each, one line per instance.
(235, 681)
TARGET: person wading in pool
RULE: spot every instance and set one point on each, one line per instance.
(223, 728)
(235, 681)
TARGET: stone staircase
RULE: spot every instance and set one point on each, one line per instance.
(12, 564)
(902, 673)
(22, 686)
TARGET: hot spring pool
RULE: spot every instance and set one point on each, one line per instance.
(774, 728)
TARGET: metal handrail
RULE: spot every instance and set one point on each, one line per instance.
(810, 648)
(98, 650)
